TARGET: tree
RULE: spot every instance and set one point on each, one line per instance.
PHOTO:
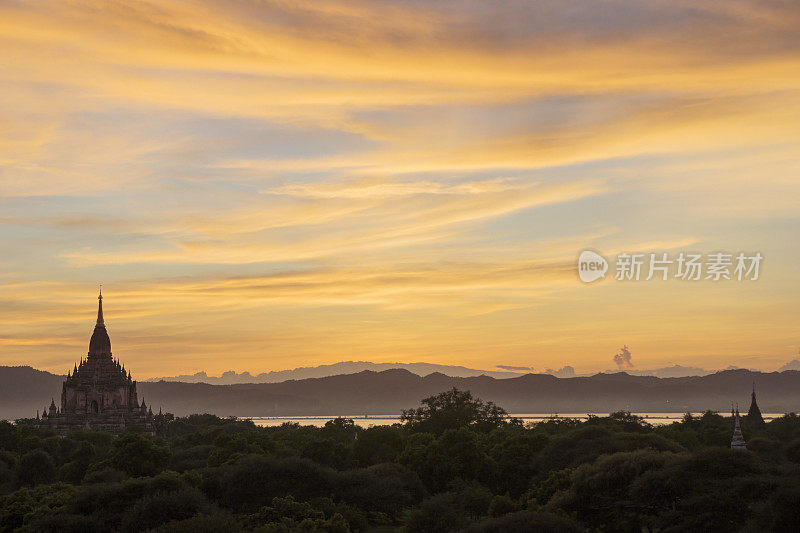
(378, 444)
(138, 455)
(155, 509)
(527, 522)
(600, 492)
(514, 451)
(26, 505)
(450, 511)
(454, 409)
(35, 467)
(288, 515)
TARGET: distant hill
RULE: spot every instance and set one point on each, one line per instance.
(674, 371)
(345, 367)
(421, 369)
(23, 390)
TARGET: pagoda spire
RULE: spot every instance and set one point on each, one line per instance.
(755, 420)
(100, 307)
(100, 344)
(737, 442)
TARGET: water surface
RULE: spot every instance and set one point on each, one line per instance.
(657, 419)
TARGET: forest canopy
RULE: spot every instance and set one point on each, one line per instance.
(454, 463)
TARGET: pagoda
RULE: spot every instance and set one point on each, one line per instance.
(754, 420)
(737, 442)
(98, 393)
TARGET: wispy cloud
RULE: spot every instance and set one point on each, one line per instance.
(384, 221)
(297, 182)
(383, 189)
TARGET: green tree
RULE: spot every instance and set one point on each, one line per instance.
(502, 504)
(25, 506)
(454, 409)
(456, 454)
(35, 467)
(527, 522)
(450, 511)
(139, 455)
(514, 451)
(213, 522)
(378, 444)
(156, 509)
(288, 515)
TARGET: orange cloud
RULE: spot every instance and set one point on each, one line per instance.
(302, 182)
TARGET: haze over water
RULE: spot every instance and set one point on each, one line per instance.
(656, 419)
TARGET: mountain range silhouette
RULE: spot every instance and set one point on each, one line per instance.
(23, 390)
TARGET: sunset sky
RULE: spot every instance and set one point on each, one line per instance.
(263, 185)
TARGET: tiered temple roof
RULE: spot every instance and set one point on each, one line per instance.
(737, 442)
(754, 419)
(98, 393)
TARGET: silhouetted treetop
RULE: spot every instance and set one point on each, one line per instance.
(456, 464)
(454, 409)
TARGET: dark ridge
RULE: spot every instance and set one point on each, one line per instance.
(23, 390)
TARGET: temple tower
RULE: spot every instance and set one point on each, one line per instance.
(754, 419)
(99, 393)
(737, 442)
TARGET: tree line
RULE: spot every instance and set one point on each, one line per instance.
(455, 463)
